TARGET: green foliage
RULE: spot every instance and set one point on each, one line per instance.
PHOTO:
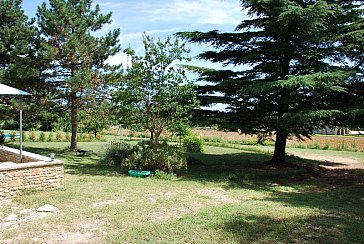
(68, 137)
(12, 136)
(48, 120)
(326, 147)
(116, 154)
(32, 136)
(180, 129)
(20, 65)
(95, 119)
(63, 123)
(155, 93)
(25, 136)
(16, 32)
(166, 158)
(2, 138)
(98, 137)
(59, 136)
(193, 143)
(76, 54)
(291, 78)
(50, 137)
(159, 174)
(82, 137)
(42, 137)
(90, 136)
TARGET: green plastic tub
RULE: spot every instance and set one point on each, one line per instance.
(138, 173)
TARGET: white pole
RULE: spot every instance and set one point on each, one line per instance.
(21, 129)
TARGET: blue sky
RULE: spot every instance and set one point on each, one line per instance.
(160, 18)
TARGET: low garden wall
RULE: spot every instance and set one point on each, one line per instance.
(36, 173)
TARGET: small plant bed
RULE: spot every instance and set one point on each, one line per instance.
(139, 173)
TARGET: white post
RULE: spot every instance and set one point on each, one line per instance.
(21, 129)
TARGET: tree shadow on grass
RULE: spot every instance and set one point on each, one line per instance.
(335, 198)
(46, 151)
(331, 215)
(78, 164)
(321, 228)
(247, 170)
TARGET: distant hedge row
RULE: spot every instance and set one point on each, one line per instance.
(59, 136)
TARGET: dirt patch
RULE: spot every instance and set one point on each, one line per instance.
(154, 197)
(108, 202)
(215, 197)
(87, 232)
(69, 237)
(218, 196)
(335, 170)
(167, 214)
(332, 162)
(13, 221)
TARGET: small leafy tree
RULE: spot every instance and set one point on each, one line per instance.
(155, 93)
(42, 137)
(96, 118)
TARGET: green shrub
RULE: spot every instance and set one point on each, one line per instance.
(115, 154)
(59, 136)
(2, 138)
(166, 158)
(192, 143)
(81, 137)
(68, 137)
(100, 137)
(159, 174)
(25, 136)
(90, 136)
(143, 156)
(302, 146)
(50, 137)
(326, 146)
(32, 136)
(42, 137)
(12, 136)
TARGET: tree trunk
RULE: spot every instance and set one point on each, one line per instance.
(151, 135)
(156, 141)
(74, 121)
(279, 155)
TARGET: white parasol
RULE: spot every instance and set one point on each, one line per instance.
(11, 91)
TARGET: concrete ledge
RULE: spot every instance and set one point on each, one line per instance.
(27, 156)
(6, 166)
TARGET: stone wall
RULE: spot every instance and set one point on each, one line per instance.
(44, 174)
(11, 155)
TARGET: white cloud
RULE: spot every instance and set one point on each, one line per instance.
(119, 58)
(127, 38)
(216, 12)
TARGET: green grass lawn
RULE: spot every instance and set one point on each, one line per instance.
(233, 197)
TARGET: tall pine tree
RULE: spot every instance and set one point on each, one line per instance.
(19, 65)
(292, 71)
(76, 56)
(350, 50)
